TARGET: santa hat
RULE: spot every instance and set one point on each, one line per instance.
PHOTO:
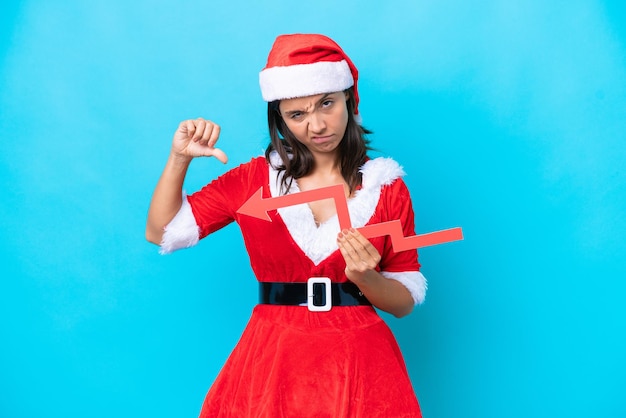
(307, 64)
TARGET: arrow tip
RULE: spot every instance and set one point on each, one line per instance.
(255, 207)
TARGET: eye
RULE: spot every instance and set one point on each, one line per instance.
(295, 115)
(327, 103)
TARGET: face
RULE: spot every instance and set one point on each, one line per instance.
(318, 122)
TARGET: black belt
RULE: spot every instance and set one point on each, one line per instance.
(313, 294)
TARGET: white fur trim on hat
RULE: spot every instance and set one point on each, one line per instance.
(414, 281)
(301, 80)
(182, 231)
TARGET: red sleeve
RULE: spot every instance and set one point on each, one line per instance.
(397, 204)
(216, 204)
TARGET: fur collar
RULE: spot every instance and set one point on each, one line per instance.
(320, 242)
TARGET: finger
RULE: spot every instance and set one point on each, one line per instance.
(182, 127)
(200, 127)
(359, 241)
(363, 254)
(206, 134)
(352, 240)
(349, 252)
(215, 134)
(190, 127)
(348, 258)
(365, 244)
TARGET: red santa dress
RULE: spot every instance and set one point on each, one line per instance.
(292, 362)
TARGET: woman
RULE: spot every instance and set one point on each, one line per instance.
(311, 348)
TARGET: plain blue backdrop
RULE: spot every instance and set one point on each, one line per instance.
(509, 117)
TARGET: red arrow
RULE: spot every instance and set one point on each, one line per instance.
(258, 207)
(402, 243)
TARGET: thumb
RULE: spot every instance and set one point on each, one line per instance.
(219, 154)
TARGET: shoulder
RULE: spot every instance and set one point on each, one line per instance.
(382, 181)
(254, 165)
(379, 172)
(255, 162)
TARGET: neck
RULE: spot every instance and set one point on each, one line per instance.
(326, 165)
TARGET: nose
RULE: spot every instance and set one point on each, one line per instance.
(316, 122)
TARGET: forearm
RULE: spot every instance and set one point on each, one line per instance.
(386, 294)
(167, 197)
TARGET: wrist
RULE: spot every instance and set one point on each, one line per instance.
(179, 160)
(363, 278)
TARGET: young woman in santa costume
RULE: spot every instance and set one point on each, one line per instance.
(311, 348)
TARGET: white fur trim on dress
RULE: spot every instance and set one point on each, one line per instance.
(318, 242)
(182, 231)
(414, 281)
(301, 80)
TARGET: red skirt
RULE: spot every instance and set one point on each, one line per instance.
(291, 362)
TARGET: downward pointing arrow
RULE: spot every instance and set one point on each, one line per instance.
(258, 207)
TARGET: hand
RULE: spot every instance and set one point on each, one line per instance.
(360, 255)
(197, 138)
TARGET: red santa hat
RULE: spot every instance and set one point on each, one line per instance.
(306, 64)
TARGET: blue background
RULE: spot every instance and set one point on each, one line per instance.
(509, 117)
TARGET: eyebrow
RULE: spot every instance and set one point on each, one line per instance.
(291, 112)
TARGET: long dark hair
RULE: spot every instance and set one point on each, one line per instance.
(298, 160)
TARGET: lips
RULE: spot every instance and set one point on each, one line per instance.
(321, 139)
